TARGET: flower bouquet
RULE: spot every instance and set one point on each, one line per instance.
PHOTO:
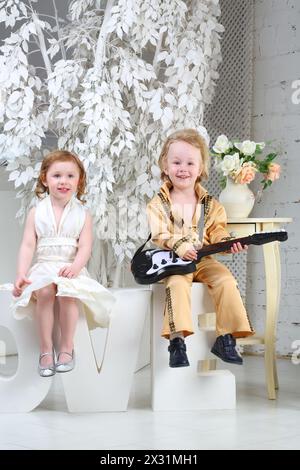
(241, 161)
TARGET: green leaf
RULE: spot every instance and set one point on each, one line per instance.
(271, 156)
(223, 182)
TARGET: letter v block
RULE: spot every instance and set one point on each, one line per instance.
(187, 388)
(86, 387)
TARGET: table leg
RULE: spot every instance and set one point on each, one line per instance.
(273, 281)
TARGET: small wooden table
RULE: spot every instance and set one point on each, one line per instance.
(243, 227)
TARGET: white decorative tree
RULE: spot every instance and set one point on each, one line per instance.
(116, 79)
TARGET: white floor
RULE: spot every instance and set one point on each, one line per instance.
(257, 423)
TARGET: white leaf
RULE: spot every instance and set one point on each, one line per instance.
(170, 99)
(14, 97)
(23, 71)
(182, 88)
(165, 121)
(157, 113)
(141, 179)
(53, 51)
(10, 125)
(162, 56)
(129, 135)
(13, 175)
(66, 105)
(25, 46)
(179, 62)
(22, 56)
(190, 106)
(12, 166)
(117, 249)
(168, 113)
(32, 28)
(23, 9)
(182, 101)
(18, 182)
(155, 170)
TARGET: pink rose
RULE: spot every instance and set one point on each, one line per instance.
(273, 172)
(246, 174)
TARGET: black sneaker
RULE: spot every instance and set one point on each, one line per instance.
(224, 348)
(177, 350)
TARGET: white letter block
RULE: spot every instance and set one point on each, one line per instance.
(186, 388)
(24, 390)
(86, 388)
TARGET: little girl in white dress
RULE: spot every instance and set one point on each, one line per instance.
(59, 231)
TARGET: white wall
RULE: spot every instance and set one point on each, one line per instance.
(10, 237)
(275, 117)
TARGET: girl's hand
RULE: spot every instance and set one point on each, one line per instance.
(238, 248)
(69, 271)
(190, 255)
(19, 285)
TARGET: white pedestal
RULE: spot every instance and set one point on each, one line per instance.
(187, 388)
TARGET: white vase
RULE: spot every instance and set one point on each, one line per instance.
(237, 199)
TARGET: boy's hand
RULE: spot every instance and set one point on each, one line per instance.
(69, 271)
(190, 255)
(238, 248)
(19, 285)
(198, 246)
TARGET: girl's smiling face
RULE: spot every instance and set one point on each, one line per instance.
(62, 179)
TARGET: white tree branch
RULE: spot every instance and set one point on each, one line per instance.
(100, 48)
(61, 44)
(157, 51)
(42, 44)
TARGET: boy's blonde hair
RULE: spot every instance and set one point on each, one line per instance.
(61, 156)
(192, 137)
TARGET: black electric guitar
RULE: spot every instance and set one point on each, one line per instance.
(150, 266)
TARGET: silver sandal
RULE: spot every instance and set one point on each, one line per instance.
(46, 371)
(65, 366)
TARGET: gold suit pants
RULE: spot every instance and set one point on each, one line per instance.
(231, 316)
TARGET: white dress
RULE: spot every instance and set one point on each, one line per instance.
(56, 247)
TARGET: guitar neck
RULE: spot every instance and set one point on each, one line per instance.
(222, 246)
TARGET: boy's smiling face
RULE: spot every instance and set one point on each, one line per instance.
(183, 164)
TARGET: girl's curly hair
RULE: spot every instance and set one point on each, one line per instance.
(61, 156)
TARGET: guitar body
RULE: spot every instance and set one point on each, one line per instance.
(153, 265)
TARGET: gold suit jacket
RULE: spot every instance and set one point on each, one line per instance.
(170, 232)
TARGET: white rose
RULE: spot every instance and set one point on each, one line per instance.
(222, 144)
(248, 147)
(261, 145)
(230, 163)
